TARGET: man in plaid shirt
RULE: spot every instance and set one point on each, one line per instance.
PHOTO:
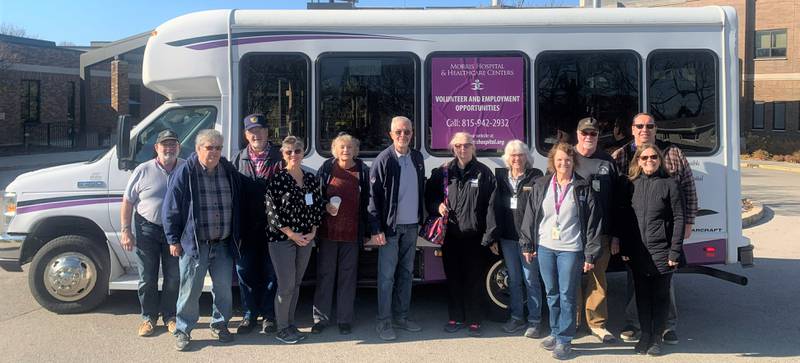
(644, 132)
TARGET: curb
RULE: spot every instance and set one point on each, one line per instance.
(770, 167)
(754, 215)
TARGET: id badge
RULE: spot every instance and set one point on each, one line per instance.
(513, 202)
(555, 234)
(474, 182)
(309, 199)
(596, 185)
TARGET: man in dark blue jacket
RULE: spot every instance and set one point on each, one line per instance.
(397, 177)
(201, 223)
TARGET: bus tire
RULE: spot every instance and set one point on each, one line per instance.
(496, 291)
(70, 274)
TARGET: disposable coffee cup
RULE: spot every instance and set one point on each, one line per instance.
(336, 201)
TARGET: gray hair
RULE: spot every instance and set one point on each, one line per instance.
(517, 147)
(345, 138)
(398, 119)
(291, 142)
(465, 135)
(208, 135)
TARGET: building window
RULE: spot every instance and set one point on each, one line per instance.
(779, 116)
(135, 100)
(573, 85)
(276, 85)
(682, 96)
(771, 43)
(359, 93)
(30, 100)
(71, 101)
(758, 115)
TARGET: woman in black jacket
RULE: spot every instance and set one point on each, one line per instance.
(470, 185)
(514, 183)
(654, 254)
(344, 186)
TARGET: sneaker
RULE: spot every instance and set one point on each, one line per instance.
(172, 326)
(548, 343)
(302, 335)
(181, 340)
(268, 326)
(604, 335)
(643, 344)
(288, 336)
(562, 351)
(246, 326)
(453, 326)
(222, 333)
(406, 325)
(318, 327)
(629, 333)
(146, 328)
(385, 330)
(670, 337)
(534, 331)
(655, 349)
(345, 329)
(514, 325)
(475, 330)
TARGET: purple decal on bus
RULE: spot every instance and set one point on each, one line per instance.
(480, 95)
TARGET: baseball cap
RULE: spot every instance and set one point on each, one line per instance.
(254, 120)
(166, 135)
(587, 123)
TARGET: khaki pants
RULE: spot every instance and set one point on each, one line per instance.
(592, 294)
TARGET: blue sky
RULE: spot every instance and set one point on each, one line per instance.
(82, 21)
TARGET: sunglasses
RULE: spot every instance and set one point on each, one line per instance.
(645, 157)
(459, 146)
(213, 147)
(641, 126)
(295, 151)
(589, 133)
(401, 132)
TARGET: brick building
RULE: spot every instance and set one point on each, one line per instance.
(40, 90)
(769, 35)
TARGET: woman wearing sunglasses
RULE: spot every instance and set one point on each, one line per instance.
(654, 254)
(294, 211)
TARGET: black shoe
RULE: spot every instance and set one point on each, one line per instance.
(534, 331)
(562, 351)
(655, 350)
(268, 326)
(318, 327)
(548, 343)
(288, 336)
(246, 327)
(453, 326)
(302, 335)
(643, 344)
(345, 329)
(670, 337)
(222, 333)
(475, 330)
(181, 340)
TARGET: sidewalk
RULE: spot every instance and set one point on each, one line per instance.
(771, 165)
(38, 161)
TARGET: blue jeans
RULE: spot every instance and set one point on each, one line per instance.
(561, 273)
(152, 250)
(257, 281)
(520, 271)
(217, 260)
(395, 266)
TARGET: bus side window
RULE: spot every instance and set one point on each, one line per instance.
(185, 121)
(682, 96)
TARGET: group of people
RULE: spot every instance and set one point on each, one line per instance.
(262, 212)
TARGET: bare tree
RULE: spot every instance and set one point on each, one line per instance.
(13, 30)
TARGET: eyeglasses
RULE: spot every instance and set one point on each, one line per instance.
(213, 147)
(402, 132)
(169, 143)
(641, 126)
(295, 151)
(651, 157)
(459, 146)
(589, 133)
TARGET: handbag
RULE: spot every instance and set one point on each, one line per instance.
(435, 227)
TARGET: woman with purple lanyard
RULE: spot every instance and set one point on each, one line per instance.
(561, 228)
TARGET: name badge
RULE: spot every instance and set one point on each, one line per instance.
(513, 202)
(527, 189)
(309, 199)
(474, 182)
(596, 185)
(555, 234)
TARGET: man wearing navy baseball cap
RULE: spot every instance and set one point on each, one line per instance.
(256, 162)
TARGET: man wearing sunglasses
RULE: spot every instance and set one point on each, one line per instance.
(201, 223)
(256, 163)
(397, 178)
(596, 166)
(644, 132)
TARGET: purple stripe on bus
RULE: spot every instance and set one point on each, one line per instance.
(705, 252)
(71, 203)
(280, 38)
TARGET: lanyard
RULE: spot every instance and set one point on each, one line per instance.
(559, 200)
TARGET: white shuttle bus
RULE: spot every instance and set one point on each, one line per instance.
(501, 74)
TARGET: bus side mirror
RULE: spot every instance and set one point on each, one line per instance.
(124, 154)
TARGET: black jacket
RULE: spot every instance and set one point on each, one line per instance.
(384, 177)
(254, 189)
(504, 221)
(658, 205)
(469, 192)
(600, 171)
(324, 176)
(588, 212)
